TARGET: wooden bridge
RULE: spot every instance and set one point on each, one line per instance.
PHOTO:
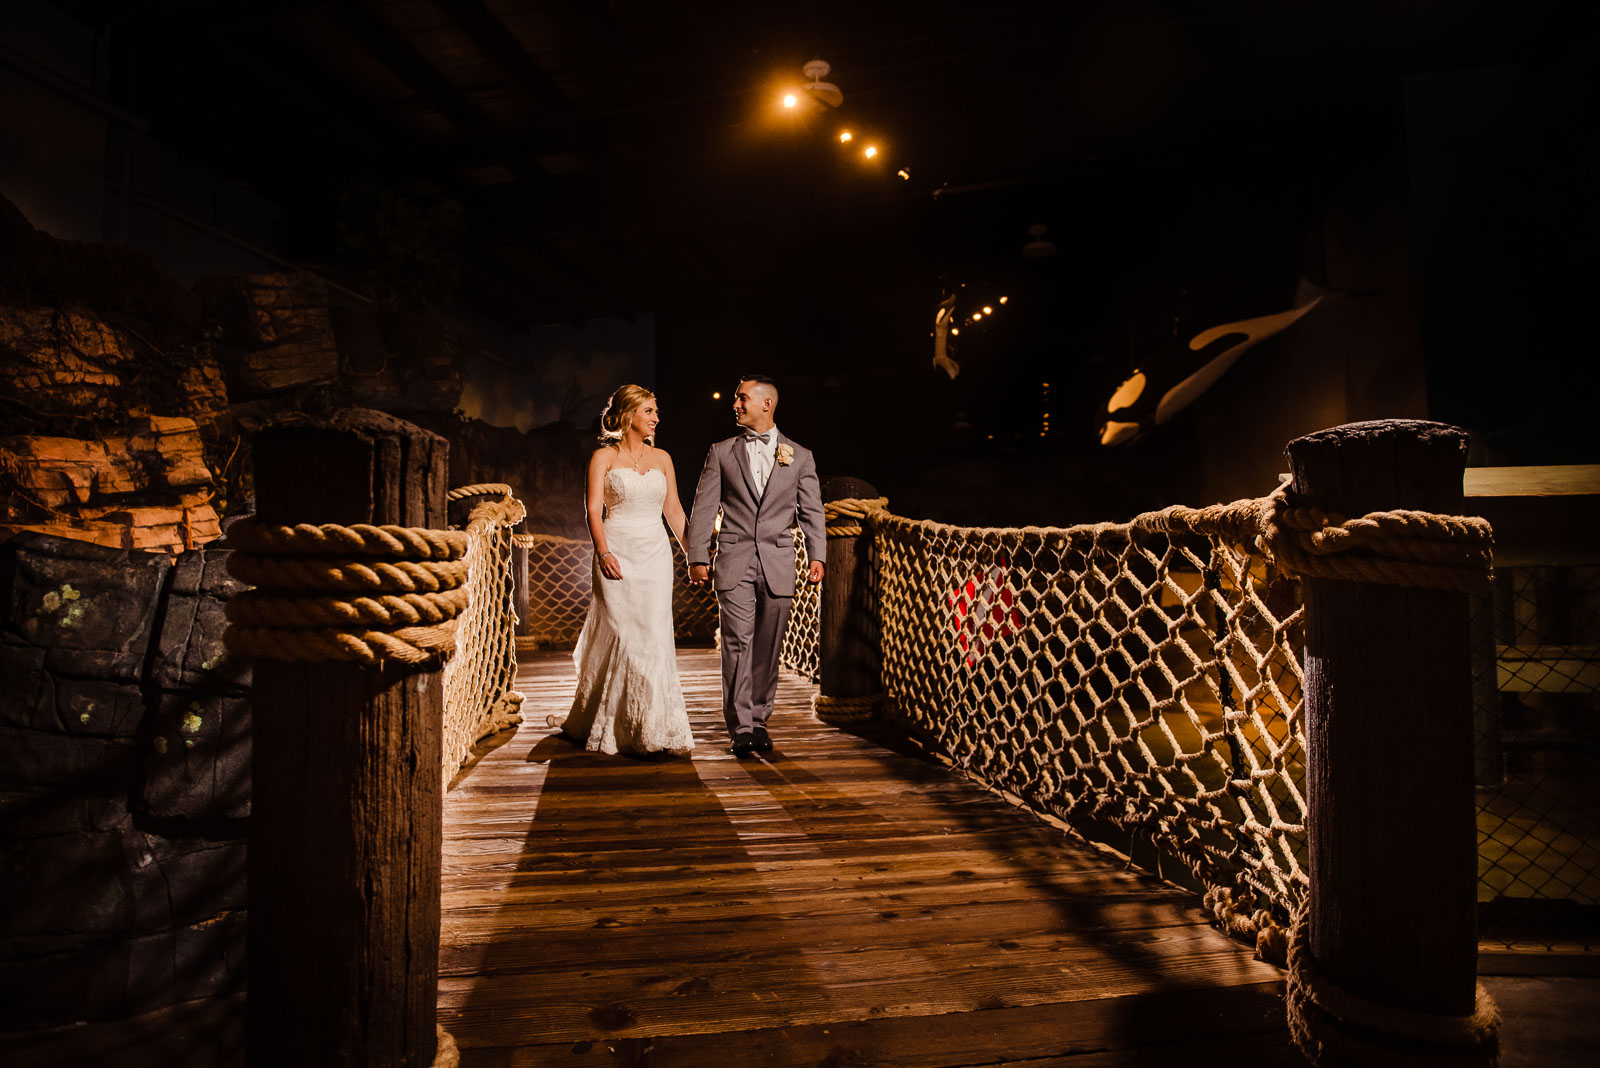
(837, 903)
(847, 903)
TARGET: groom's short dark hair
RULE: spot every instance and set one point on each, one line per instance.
(763, 380)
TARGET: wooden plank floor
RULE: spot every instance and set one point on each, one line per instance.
(834, 904)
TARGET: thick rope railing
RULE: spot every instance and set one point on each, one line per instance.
(367, 594)
(480, 698)
(360, 593)
(1145, 676)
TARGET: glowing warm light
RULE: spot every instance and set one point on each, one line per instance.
(903, 173)
(789, 100)
(976, 316)
(716, 396)
(1004, 299)
(845, 136)
(1046, 385)
(955, 330)
(1128, 392)
(988, 310)
(871, 151)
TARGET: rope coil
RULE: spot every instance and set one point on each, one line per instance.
(1334, 1026)
(843, 710)
(407, 581)
(359, 539)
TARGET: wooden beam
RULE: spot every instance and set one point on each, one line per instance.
(1541, 515)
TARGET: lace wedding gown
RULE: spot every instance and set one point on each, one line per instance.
(629, 697)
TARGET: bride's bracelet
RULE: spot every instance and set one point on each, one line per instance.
(606, 554)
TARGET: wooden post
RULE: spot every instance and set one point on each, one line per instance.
(345, 824)
(1389, 762)
(848, 652)
(519, 583)
(1488, 746)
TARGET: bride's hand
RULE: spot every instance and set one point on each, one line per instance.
(609, 566)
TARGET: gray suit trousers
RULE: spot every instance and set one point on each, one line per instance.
(753, 619)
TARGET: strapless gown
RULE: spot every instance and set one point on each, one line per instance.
(629, 698)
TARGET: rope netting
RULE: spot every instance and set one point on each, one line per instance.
(1142, 676)
(559, 581)
(479, 680)
(801, 640)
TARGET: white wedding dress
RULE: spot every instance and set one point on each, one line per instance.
(629, 698)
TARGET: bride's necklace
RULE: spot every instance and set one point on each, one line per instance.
(633, 461)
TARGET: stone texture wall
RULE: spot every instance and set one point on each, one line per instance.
(126, 401)
(124, 782)
(545, 466)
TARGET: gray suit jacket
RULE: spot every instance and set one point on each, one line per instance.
(752, 524)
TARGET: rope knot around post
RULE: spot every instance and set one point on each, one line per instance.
(1333, 1025)
(848, 657)
(365, 593)
(1396, 547)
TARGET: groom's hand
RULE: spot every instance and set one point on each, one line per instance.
(699, 574)
(815, 575)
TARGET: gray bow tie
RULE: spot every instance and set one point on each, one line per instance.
(765, 439)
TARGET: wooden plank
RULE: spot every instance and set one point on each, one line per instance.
(1541, 515)
(1016, 1035)
(1558, 481)
(836, 901)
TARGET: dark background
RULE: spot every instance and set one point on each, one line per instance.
(582, 166)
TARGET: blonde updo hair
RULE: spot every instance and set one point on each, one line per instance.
(619, 410)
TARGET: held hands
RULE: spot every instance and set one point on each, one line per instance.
(815, 575)
(699, 574)
(609, 566)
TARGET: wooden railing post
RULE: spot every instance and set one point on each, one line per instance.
(519, 582)
(346, 812)
(847, 652)
(1389, 710)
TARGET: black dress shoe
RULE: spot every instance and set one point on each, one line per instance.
(762, 740)
(743, 745)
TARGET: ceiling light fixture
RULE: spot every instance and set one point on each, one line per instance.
(870, 152)
(824, 93)
(1038, 248)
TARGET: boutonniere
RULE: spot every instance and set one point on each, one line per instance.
(785, 453)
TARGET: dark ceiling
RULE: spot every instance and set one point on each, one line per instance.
(613, 156)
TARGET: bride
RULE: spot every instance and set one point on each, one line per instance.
(629, 698)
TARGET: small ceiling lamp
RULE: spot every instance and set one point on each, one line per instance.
(825, 93)
(871, 151)
(1038, 248)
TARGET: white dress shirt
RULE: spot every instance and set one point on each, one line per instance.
(762, 458)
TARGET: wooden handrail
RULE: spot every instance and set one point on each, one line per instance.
(1541, 515)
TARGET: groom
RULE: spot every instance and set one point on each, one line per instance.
(766, 485)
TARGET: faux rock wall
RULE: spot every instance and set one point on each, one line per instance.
(124, 782)
(146, 488)
(545, 467)
(125, 399)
